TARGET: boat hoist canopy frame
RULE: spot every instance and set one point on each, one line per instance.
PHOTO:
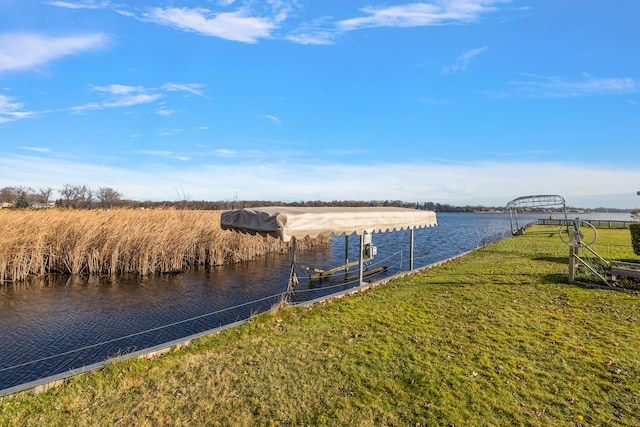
(291, 223)
(535, 201)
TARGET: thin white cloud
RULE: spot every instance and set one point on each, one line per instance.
(11, 111)
(273, 119)
(118, 95)
(88, 4)
(23, 51)
(36, 149)
(236, 26)
(169, 132)
(553, 87)
(126, 96)
(463, 61)
(164, 112)
(307, 37)
(226, 153)
(420, 14)
(194, 88)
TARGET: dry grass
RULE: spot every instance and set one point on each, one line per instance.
(123, 241)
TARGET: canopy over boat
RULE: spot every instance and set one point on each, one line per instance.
(299, 222)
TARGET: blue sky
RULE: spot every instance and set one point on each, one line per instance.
(450, 101)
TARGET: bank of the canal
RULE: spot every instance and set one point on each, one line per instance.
(496, 337)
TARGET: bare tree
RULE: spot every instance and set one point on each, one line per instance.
(108, 196)
(7, 195)
(68, 194)
(86, 196)
(76, 196)
(45, 193)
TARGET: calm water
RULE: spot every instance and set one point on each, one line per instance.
(63, 324)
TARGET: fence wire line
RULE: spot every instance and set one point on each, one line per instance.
(274, 296)
(157, 328)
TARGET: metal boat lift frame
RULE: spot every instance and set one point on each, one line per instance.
(535, 201)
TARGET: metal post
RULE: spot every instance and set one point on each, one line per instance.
(574, 245)
(411, 236)
(346, 252)
(573, 264)
(360, 262)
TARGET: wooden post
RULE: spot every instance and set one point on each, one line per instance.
(293, 278)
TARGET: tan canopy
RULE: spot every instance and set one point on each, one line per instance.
(298, 222)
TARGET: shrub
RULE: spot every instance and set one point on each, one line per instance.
(635, 237)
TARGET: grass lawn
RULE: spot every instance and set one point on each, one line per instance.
(497, 337)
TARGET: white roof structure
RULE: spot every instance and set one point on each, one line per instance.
(287, 222)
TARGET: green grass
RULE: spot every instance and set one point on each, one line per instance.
(496, 338)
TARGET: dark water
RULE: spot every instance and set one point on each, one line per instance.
(60, 325)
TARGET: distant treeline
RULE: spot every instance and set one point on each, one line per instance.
(83, 197)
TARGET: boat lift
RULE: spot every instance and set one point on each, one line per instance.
(572, 233)
(536, 201)
(292, 223)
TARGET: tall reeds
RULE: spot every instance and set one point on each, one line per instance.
(122, 241)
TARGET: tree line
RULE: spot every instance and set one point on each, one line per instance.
(71, 196)
(83, 197)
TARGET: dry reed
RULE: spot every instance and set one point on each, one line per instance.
(122, 241)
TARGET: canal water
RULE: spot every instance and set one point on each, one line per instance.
(61, 324)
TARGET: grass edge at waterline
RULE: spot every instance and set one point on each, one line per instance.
(497, 337)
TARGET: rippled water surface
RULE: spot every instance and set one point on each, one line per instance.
(63, 324)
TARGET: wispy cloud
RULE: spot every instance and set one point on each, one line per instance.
(554, 87)
(126, 96)
(20, 51)
(87, 4)
(420, 14)
(273, 119)
(237, 25)
(193, 88)
(163, 153)
(169, 132)
(226, 152)
(312, 37)
(36, 149)
(164, 112)
(463, 61)
(117, 95)
(11, 110)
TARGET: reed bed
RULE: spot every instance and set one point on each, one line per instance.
(122, 241)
